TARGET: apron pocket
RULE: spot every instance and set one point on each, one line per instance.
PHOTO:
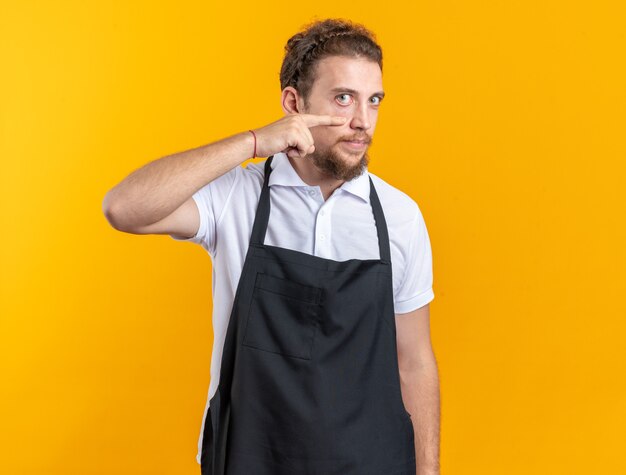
(282, 317)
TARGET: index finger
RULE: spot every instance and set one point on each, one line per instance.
(311, 120)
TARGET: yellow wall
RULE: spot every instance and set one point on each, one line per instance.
(504, 120)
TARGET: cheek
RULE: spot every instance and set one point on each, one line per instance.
(324, 138)
(373, 120)
(342, 111)
(320, 136)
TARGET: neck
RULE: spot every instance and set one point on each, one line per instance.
(312, 176)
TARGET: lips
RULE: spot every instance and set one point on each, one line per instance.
(355, 145)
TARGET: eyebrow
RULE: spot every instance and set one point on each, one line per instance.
(353, 91)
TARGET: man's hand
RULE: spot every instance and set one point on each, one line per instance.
(291, 134)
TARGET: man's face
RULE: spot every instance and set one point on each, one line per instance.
(350, 87)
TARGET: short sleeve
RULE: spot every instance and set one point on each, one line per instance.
(416, 289)
(211, 201)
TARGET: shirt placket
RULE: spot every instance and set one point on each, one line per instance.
(323, 230)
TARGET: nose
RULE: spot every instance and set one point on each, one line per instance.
(361, 119)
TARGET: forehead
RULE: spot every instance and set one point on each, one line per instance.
(360, 74)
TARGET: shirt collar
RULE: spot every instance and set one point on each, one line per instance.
(284, 174)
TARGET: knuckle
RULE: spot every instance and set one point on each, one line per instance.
(296, 131)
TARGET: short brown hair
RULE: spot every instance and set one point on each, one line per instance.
(320, 39)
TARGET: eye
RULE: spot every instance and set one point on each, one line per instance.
(379, 100)
(342, 95)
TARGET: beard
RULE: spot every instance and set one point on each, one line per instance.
(332, 163)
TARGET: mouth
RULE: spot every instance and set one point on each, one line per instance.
(355, 144)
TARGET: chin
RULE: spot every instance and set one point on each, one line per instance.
(354, 156)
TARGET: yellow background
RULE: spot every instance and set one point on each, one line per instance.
(504, 120)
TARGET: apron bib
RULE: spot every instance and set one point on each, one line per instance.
(309, 380)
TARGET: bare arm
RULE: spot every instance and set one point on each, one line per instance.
(151, 194)
(420, 385)
(157, 198)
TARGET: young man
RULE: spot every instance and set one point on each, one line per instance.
(322, 277)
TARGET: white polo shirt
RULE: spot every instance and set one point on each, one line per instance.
(340, 228)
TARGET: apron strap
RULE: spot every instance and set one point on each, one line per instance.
(263, 208)
(381, 225)
(263, 213)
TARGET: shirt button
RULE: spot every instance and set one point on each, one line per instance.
(322, 212)
(321, 237)
(311, 192)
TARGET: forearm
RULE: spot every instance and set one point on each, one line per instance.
(420, 392)
(155, 190)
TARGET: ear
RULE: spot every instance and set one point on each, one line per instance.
(291, 101)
